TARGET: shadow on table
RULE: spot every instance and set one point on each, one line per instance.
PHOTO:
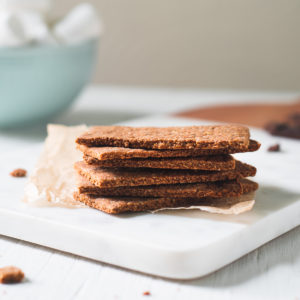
(256, 263)
(269, 200)
(38, 132)
(251, 265)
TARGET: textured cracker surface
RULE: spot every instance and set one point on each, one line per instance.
(192, 190)
(215, 162)
(112, 153)
(103, 177)
(190, 137)
(115, 205)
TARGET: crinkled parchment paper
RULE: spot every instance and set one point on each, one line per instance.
(226, 206)
(53, 180)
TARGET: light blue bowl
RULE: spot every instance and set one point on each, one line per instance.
(38, 82)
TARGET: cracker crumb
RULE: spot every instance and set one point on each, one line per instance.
(11, 274)
(18, 173)
(146, 293)
(274, 148)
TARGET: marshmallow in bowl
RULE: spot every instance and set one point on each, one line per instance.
(19, 28)
(35, 27)
(11, 31)
(80, 24)
(26, 24)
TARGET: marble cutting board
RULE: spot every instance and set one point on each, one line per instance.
(179, 244)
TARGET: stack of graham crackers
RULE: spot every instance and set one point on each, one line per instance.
(140, 169)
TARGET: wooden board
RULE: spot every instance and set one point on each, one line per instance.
(249, 114)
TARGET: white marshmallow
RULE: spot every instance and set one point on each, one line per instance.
(82, 23)
(21, 28)
(21, 23)
(11, 31)
(35, 27)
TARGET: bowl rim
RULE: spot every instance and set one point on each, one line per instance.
(40, 49)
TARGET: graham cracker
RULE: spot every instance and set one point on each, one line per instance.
(212, 163)
(190, 137)
(191, 190)
(107, 178)
(116, 205)
(117, 153)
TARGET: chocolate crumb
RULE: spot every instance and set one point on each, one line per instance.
(147, 293)
(11, 274)
(294, 118)
(290, 127)
(274, 148)
(18, 173)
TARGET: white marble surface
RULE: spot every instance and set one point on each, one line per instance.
(270, 272)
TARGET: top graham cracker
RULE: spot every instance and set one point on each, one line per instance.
(190, 137)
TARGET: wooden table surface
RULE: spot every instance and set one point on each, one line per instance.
(270, 272)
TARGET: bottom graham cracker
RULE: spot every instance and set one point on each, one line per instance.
(116, 205)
